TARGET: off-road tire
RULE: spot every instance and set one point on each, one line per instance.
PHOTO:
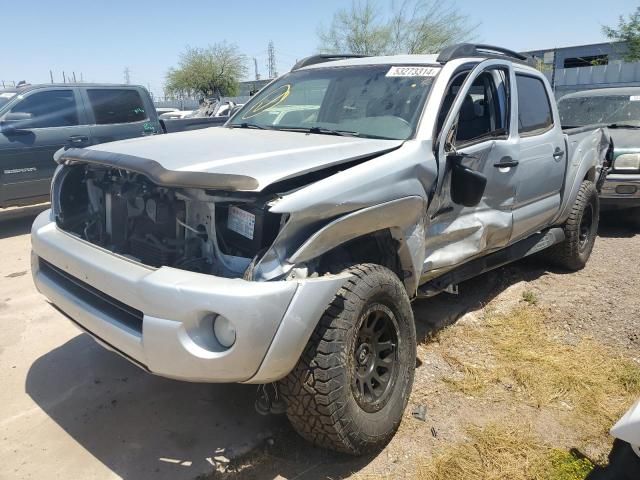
(321, 391)
(573, 253)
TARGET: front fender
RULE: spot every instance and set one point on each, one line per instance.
(404, 218)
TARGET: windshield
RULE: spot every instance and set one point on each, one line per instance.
(609, 109)
(5, 97)
(374, 101)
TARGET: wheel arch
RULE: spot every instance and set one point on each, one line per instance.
(393, 229)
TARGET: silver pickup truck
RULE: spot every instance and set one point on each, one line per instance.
(284, 248)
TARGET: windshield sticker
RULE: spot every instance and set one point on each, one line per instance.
(635, 98)
(6, 95)
(270, 100)
(413, 72)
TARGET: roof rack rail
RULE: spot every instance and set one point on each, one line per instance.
(465, 50)
(324, 57)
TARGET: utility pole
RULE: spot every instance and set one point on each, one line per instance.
(51, 75)
(255, 67)
(81, 79)
(273, 73)
(127, 75)
(64, 78)
(74, 77)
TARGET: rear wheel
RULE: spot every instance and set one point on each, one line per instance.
(580, 229)
(352, 383)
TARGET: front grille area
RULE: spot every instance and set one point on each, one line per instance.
(122, 313)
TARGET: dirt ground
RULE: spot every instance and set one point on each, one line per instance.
(70, 409)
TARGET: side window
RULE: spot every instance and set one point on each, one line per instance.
(484, 111)
(51, 108)
(116, 106)
(534, 107)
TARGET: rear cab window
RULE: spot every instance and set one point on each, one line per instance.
(113, 105)
(534, 106)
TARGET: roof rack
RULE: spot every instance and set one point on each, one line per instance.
(324, 57)
(466, 50)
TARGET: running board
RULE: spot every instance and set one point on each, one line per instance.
(530, 245)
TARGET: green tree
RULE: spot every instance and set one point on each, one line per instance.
(408, 26)
(628, 31)
(211, 71)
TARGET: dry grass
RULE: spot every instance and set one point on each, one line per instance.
(499, 452)
(518, 356)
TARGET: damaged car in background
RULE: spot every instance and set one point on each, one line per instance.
(284, 248)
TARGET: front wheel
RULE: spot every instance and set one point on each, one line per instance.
(352, 383)
(580, 229)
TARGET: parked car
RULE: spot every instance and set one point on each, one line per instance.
(619, 109)
(285, 249)
(176, 114)
(164, 110)
(627, 428)
(38, 120)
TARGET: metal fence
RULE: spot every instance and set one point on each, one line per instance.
(193, 103)
(615, 74)
(179, 103)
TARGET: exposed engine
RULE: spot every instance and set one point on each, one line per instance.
(190, 229)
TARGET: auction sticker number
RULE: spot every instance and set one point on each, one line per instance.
(413, 72)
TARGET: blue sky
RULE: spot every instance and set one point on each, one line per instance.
(100, 38)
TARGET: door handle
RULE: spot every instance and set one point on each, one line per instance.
(77, 140)
(506, 162)
(558, 154)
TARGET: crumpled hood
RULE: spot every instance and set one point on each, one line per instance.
(233, 159)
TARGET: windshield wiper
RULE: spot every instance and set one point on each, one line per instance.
(330, 131)
(623, 125)
(249, 125)
(319, 130)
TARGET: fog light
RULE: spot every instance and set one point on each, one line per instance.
(626, 189)
(224, 331)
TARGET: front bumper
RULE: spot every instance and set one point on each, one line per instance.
(161, 319)
(621, 190)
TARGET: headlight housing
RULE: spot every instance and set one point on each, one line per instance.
(627, 162)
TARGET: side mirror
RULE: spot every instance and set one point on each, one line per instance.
(13, 121)
(467, 186)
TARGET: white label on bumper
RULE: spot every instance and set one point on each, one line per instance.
(241, 222)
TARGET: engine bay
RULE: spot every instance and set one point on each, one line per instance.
(191, 229)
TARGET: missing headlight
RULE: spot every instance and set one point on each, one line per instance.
(245, 229)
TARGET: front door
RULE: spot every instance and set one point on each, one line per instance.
(26, 150)
(478, 129)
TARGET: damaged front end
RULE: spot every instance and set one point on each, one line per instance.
(211, 232)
